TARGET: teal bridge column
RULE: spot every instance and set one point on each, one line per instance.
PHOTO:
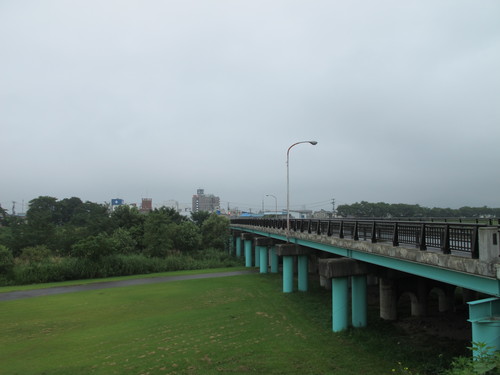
(287, 274)
(288, 252)
(359, 301)
(485, 318)
(262, 245)
(340, 304)
(247, 244)
(256, 256)
(339, 270)
(302, 272)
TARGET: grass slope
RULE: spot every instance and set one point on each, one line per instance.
(235, 325)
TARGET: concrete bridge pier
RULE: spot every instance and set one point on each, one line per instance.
(262, 245)
(339, 270)
(393, 285)
(303, 272)
(484, 316)
(247, 244)
(238, 245)
(288, 251)
(388, 297)
(256, 256)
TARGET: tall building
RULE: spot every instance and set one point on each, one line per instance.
(202, 202)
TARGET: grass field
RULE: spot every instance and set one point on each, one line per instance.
(234, 325)
(5, 289)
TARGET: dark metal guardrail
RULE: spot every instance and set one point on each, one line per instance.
(447, 236)
(492, 221)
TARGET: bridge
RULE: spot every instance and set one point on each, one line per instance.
(401, 257)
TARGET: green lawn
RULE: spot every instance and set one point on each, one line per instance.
(231, 325)
(5, 289)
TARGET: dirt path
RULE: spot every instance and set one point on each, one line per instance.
(10, 296)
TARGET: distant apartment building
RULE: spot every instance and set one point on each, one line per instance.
(202, 202)
(146, 205)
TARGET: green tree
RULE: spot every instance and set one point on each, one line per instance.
(127, 217)
(3, 215)
(215, 232)
(66, 236)
(174, 216)
(15, 235)
(125, 242)
(68, 208)
(42, 216)
(95, 247)
(157, 237)
(93, 216)
(130, 219)
(186, 236)
(200, 217)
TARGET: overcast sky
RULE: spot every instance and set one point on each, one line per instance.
(157, 98)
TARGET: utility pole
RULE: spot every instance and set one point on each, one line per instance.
(333, 207)
(14, 208)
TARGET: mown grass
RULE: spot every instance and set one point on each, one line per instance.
(5, 289)
(239, 325)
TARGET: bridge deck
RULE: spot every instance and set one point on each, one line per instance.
(450, 257)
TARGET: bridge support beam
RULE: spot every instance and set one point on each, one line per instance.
(247, 244)
(339, 270)
(485, 318)
(261, 246)
(288, 251)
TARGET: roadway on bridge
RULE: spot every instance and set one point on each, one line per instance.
(21, 294)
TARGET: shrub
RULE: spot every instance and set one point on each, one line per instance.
(486, 362)
(6, 261)
(124, 241)
(33, 254)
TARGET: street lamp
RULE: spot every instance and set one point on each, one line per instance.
(275, 203)
(314, 143)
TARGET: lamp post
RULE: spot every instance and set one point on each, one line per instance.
(314, 143)
(275, 204)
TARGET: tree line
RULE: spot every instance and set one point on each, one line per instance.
(400, 210)
(100, 242)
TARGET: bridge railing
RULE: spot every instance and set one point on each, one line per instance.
(446, 236)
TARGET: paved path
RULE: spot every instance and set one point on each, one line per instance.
(9, 296)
